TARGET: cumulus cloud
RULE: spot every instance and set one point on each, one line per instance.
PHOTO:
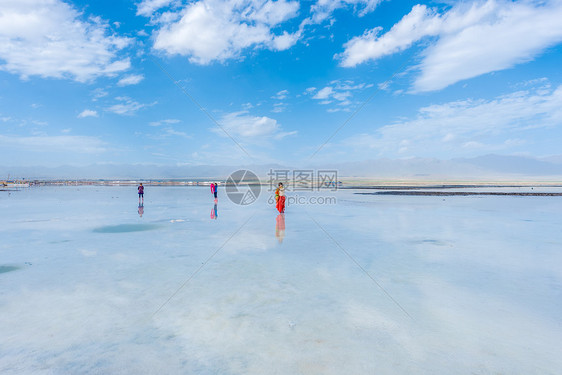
(467, 127)
(245, 125)
(248, 127)
(49, 39)
(216, 30)
(470, 39)
(132, 79)
(88, 113)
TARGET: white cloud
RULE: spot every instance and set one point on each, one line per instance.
(324, 93)
(48, 39)
(167, 133)
(99, 93)
(323, 9)
(148, 7)
(338, 92)
(243, 125)
(39, 123)
(132, 79)
(471, 40)
(176, 133)
(216, 30)
(279, 107)
(282, 135)
(462, 127)
(88, 113)
(126, 107)
(281, 95)
(164, 122)
(78, 144)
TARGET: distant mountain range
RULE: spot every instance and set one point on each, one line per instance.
(518, 164)
(481, 167)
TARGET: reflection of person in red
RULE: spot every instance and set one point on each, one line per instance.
(280, 227)
(280, 197)
(141, 209)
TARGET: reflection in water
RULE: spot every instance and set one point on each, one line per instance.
(214, 212)
(280, 227)
(141, 209)
(306, 307)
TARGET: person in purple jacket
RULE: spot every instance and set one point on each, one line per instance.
(141, 192)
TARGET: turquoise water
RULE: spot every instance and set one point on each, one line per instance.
(124, 228)
(4, 269)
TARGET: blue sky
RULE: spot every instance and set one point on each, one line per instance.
(251, 81)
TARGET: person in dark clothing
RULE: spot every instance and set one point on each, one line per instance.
(141, 193)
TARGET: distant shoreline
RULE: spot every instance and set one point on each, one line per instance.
(461, 193)
(402, 185)
(452, 186)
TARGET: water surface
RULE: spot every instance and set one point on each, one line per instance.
(365, 285)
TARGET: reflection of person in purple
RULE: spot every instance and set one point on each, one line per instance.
(214, 212)
(141, 209)
(141, 192)
(280, 227)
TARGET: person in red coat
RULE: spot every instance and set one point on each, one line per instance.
(280, 198)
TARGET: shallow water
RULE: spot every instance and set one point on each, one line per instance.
(124, 228)
(364, 285)
(4, 268)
